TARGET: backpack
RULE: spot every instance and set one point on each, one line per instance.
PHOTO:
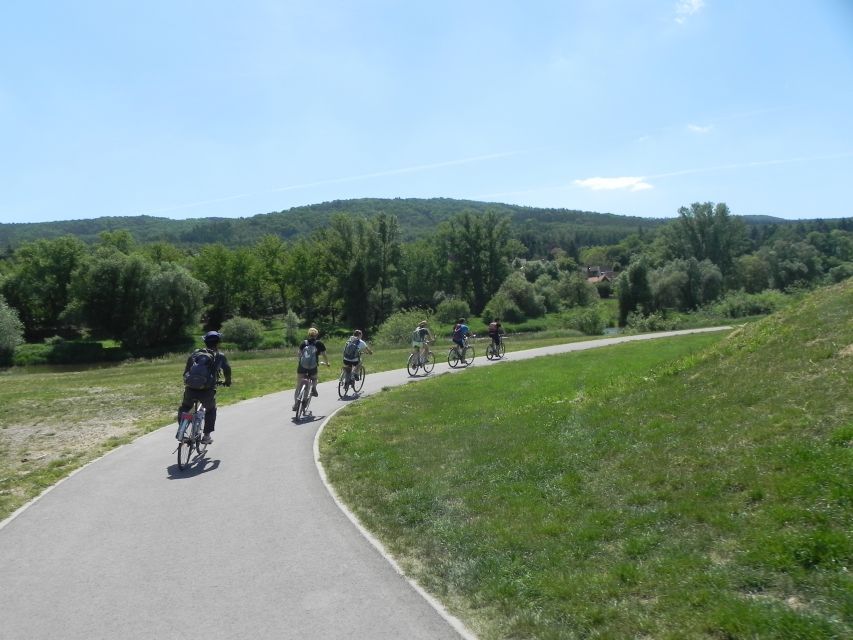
(351, 349)
(202, 372)
(493, 327)
(308, 357)
(457, 332)
(416, 335)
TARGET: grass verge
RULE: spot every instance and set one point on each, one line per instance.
(55, 419)
(696, 487)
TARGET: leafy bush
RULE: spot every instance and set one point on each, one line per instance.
(639, 323)
(739, 304)
(588, 320)
(501, 306)
(398, 328)
(841, 272)
(55, 350)
(244, 332)
(450, 310)
(291, 328)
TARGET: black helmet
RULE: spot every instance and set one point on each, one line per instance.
(212, 337)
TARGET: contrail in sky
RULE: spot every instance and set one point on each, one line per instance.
(365, 176)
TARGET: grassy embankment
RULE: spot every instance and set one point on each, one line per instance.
(689, 488)
(53, 422)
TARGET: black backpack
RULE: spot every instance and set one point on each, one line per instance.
(202, 373)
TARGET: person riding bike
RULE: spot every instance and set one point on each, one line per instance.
(353, 350)
(421, 337)
(310, 352)
(201, 374)
(495, 332)
(460, 335)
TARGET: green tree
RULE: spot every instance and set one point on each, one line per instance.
(37, 284)
(633, 290)
(11, 332)
(707, 232)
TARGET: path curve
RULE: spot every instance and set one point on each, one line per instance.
(249, 544)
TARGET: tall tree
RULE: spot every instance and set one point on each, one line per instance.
(37, 284)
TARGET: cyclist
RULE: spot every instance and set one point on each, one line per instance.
(201, 374)
(460, 335)
(495, 332)
(310, 351)
(352, 352)
(421, 337)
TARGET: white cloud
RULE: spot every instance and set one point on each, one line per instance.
(686, 8)
(696, 128)
(610, 184)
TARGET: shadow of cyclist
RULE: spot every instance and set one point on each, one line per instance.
(196, 468)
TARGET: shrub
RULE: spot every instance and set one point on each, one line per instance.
(450, 310)
(501, 306)
(653, 322)
(291, 328)
(841, 272)
(588, 320)
(397, 329)
(243, 332)
(739, 304)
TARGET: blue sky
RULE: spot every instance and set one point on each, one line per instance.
(634, 107)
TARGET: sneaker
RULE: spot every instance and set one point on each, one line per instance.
(207, 439)
(314, 393)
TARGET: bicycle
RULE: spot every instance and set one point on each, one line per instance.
(495, 351)
(418, 360)
(351, 376)
(303, 396)
(465, 358)
(189, 434)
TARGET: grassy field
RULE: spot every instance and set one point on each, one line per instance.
(690, 488)
(52, 422)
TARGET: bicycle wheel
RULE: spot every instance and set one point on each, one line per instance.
(429, 363)
(358, 383)
(300, 404)
(453, 358)
(200, 447)
(501, 350)
(468, 356)
(342, 384)
(490, 352)
(185, 451)
(412, 365)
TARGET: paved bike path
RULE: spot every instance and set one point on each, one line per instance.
(248, 544)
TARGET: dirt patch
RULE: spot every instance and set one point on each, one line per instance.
(846, 352)
(27, 447)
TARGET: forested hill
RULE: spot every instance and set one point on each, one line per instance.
(416, 217)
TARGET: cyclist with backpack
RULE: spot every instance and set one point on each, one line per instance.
(421, 337)
(460, 335)
(201, 374)
(310, 352)
(353, 350)
(496, 330)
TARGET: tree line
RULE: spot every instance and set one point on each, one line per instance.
(358, 270)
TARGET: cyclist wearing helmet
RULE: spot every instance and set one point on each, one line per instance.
(205, 365)
(310, 351)
(421, 337)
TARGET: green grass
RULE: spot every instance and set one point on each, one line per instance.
(697, 487)
(55, 419)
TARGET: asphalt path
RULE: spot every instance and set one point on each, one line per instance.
(247, 543)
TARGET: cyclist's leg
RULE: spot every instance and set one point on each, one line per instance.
(313, 377)
(208, 401)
